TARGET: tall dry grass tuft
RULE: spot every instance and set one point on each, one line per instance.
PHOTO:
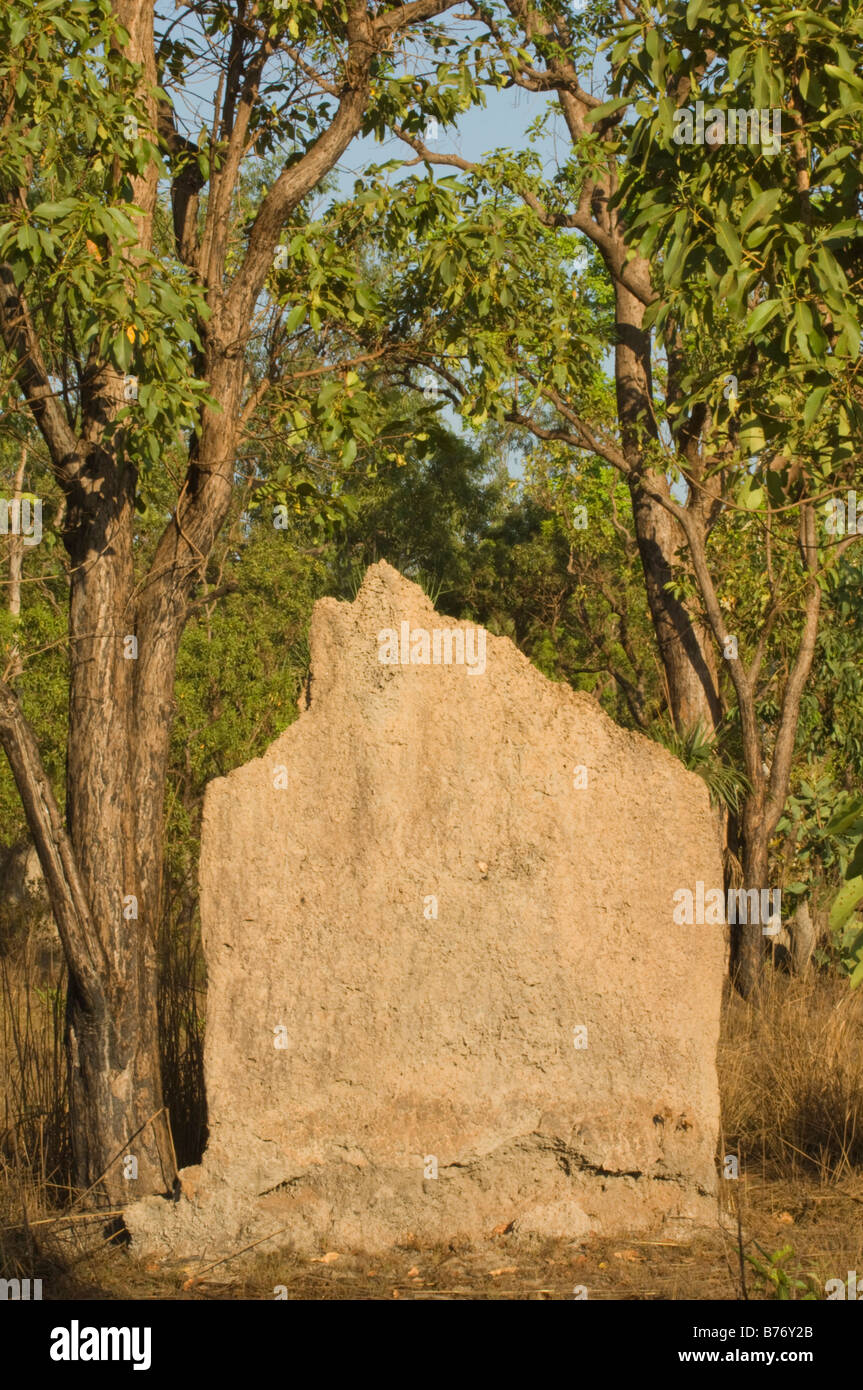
(791, 1077)
(35, 1152)
(36, 1187)
(34, 1128)
(182, 996)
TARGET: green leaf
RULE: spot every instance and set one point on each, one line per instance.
(27, 238)
(832, 273)
(53, 211)
(810, 87)
(806, 329)
(852, 78)
(845, 903)
(760, 207)
(753, 498)
(759, 73)
(607, 108)
(729, 241)
(447, 270)
(814, 402)
(762, 314)
(849, 818)
(751, 439)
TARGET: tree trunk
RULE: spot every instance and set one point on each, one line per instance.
(104, 873)
(115, 1085)
(121, 713)
(747, 939)
(686, 650)
(16, 554)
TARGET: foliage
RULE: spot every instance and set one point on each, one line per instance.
(776, 1279)
(71, 146)
(756, 250)
(701, 753)
(848, 820)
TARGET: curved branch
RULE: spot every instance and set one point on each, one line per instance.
(88, 964)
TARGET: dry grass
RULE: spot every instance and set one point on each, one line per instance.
(791, 1072)
(791, 1076)
(34, 1131)
(39, 1217)
(182, 998)
(823, 1230)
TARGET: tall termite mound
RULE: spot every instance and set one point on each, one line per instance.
(446, 990)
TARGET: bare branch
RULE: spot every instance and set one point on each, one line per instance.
(85, 955)
(402, 16)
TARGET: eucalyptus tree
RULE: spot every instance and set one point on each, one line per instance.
(551, 52)
(156, 285)
(756, 239)
(732, 271)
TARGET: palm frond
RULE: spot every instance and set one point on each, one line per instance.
(702, 753)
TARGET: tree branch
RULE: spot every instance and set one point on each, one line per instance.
(85, 956)
(22, 342)
(783, 749)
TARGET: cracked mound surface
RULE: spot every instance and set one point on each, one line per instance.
(446, 989)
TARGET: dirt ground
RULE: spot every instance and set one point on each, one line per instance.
(822, 1225)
